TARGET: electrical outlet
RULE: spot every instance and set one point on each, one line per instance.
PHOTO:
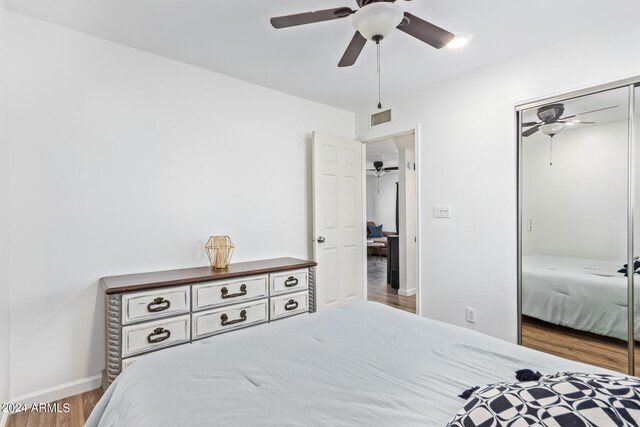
(442, 211)
(471, 315)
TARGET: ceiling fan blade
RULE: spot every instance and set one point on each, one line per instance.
(576, 122)
(310, 17)
(353, 50)
(531, 131)
(425, 31)
(527, 124)
(391, 168)
(589, 112)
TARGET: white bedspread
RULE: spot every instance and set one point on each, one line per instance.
(584, 294)
(363, 364)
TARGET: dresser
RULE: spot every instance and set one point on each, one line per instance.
(149, 312)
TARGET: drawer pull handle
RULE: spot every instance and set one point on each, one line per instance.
(290, 282)
(226, 321)
(225, 292)
(158, 335)
(158, 304)
(291, 305)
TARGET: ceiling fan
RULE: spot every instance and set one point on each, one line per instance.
(379, 169)
(373, 20)
(551, 121)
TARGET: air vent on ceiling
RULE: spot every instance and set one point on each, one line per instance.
(381, 118)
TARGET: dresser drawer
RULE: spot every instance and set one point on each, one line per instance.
(139, 306)
(130, 361)
(290, 304)
(149, 336)
(289, 281)
(216, 294)
(236, 316)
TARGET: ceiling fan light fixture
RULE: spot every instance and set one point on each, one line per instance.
(377, 19)
(460, 40)
(552, 128)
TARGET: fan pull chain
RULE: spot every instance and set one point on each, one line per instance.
(379, 103)
(551, 151)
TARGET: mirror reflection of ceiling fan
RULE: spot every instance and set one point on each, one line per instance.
(552, 122)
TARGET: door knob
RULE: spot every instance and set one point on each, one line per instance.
(320, 239)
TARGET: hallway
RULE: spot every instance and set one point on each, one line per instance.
(379, 291)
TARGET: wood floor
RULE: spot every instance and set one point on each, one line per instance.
(379, 291)
(80, 406)
(571, 344)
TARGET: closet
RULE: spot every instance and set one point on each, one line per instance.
(579, 225)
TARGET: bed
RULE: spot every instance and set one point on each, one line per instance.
(359, 364)
(583, 294)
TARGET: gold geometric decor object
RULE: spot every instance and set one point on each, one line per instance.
(219, 250)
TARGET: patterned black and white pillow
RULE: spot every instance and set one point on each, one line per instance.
(563, 399)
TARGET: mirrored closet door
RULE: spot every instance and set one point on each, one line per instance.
(634, 129)
(576, 201)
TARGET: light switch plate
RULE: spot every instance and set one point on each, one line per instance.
(442, 211)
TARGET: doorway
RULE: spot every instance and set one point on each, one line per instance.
(391, 220)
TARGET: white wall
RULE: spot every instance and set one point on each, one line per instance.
(407, 222)
(578, 206)
(370, 186)
(468, 160)
(383, 210)
(124, 162)
(4, 214)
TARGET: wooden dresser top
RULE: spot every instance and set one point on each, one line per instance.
(159, 279)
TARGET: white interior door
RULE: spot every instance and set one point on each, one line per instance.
(338, 232)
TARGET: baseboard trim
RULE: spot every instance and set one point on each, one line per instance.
(4, 420)
(61, 391)
(407, 292)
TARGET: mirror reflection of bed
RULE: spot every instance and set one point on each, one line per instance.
(576, 308)
(574, 197)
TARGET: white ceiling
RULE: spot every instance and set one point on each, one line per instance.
(235, 38)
